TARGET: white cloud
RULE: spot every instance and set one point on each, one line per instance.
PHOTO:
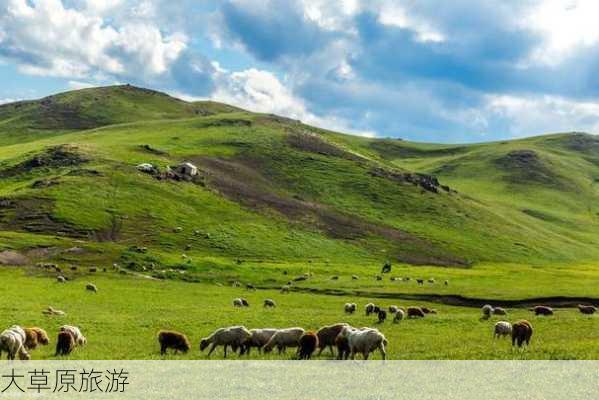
(45, 38)
(537, 115)
(7, 100)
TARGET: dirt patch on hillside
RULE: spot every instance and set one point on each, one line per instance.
(35, 215)
(53, 157)
(241, 183)
(526, 166)
(313, 143)
(10, 257)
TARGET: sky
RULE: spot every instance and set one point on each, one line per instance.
(424, 70)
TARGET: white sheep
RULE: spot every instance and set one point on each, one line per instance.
(350, 308)
(237, 303)
(285, 289)
(393, 309)
(269, 303)
(284, 338)
(364, 341)
(502, 328)
(259, 337)
(91, 287)
(12, 340)
(80, 340)
(53, 311)
(369, 308)
(61, 279)
(234, 336)
(399, 315)
(487, 310)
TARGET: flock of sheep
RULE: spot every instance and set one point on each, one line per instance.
(18, 341)
(348, 340)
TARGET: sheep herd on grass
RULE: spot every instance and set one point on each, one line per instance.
(18, 342)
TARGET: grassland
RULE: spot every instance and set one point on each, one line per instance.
(511, 221)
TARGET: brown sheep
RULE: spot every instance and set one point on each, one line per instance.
(307, 345)
(326, 336)
(587, 309)
(521, 333)
(542, 310)
(415, 312)
(343, 350)
(64, 344)
(173, 340)
(34, 337)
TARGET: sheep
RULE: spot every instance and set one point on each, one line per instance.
(91, 288)
(487, 310)
(502, 328)
(393, 309)
(399, 315)
(587, 309)
(376, 309)
(426, 310)
(244, 302)
(236, 284)
(234, 336)
(364, 341)
(446, 283)
(335, 277)
(542, 310)
(269, 303)
(284, 338)
(61, 279)
(415, 312)
(350, 308)
(285, 289)
(327, 334)
(53, 311)
(258, 338)
(12, 341)
(249, 286)
(354, 277)
(431, 280)
(308, 343)
(34, 337)
(237, 303)
(173, 340)
(343, 349)
(80, 340)
(379, 278)
(420, 281)
(382, 316)
(369, 308)
(521, 333)
(386, 268)
(64, 344)
(499, 311)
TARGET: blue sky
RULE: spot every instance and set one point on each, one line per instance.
(443, 71)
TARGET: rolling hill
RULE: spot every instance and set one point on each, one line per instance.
(272, 190)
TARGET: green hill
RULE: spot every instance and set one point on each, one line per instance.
(272, 190)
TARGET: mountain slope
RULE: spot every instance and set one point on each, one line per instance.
(271, 188)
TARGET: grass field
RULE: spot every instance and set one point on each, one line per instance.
(122, 319)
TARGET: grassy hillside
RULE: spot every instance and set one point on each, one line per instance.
(279, 196)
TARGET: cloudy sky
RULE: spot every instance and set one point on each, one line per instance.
(444, 71)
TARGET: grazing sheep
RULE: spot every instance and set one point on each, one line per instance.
(376, 309)
(521, 333)
(284, 338)
(61, 279)
(393, 309)
(12, 341)
(499, 311)
(399, 315)
(502, 328)
(237, 303)
(350, 308)
(426, 310)
(487, 310)
(327, 334)
(249, 286)
(369, 308)
(258, 338)
(382, 316)
(234, 336)
(308, 343)
(420, 281)
(542, 310)
(52, 311)
(80, 340)
(65, 344)
(91, 287)
(34, 337)
(587, 309)
(386, 268)
(343, 350)
(285, 289)
(364, 341)
(415, 312)
(244, 302)
(173, 340)
(355, 277)
(431, 280)
(269, 303)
